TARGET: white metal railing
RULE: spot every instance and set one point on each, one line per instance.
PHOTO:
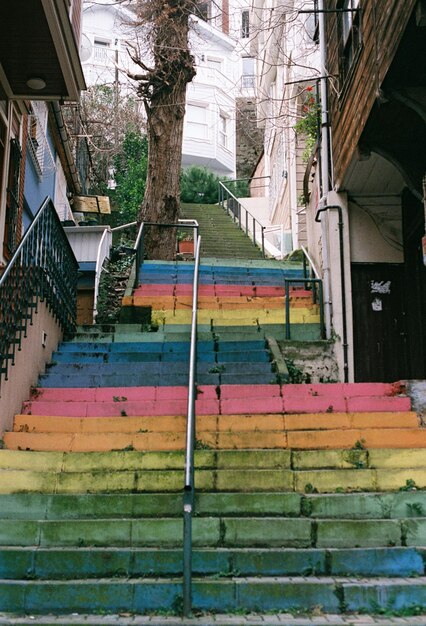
(103, 252)
(38, 147)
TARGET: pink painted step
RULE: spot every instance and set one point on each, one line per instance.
(228, 392)
(115, 409)
(107, 394)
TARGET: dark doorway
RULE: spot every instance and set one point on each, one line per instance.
(389, 308)
(380, 336)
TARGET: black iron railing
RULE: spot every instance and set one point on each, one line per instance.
(42, 269)
(139, 248)
(246, 221)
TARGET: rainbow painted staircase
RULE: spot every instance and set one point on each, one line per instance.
(309, 497)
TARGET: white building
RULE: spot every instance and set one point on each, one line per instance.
(286, 69)
(209, 132)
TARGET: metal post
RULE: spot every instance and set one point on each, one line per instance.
(188, 494)
(287, 309)
(263, 241)
(321, 303)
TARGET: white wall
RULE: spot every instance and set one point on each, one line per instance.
(29, 363)
(374, 240)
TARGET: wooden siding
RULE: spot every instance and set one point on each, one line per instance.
(382, 25)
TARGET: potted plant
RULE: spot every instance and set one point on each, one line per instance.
(185, 243)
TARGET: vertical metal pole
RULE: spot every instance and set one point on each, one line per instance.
(254, 231)
(321, 303)
(263, 241)
(246, 222)
(287, 309)
(188, 494)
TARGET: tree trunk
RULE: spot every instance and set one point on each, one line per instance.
(161, 200)
(164, 93)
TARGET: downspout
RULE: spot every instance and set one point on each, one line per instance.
(67, 147)
(338, 208)
(324, 165)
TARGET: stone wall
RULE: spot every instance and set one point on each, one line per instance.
(249, 138)
(311, 361)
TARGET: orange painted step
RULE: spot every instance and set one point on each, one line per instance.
(94, 442)
(247, 422)
(403, 438)
(148, 441)
(334, 421)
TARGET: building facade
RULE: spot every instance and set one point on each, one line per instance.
(39, 64)
(369, 206)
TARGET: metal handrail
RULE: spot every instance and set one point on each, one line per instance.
(188, 491)
(237, 215)
(123, 227)
(98, 270)
(305, 281)
(139, 247)
(43, 268)
(311, 263)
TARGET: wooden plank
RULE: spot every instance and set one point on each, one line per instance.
(381, 37)
(91, 204)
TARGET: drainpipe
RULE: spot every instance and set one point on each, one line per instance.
(67, 147)
(338, 208)
(324, 165)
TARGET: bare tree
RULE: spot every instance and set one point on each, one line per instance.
(162, 87)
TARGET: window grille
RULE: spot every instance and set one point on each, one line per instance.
(38, 147)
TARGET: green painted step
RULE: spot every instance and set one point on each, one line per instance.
(397, 505)
(219, 234)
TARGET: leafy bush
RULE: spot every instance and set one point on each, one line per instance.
(130, 166)
(198, 184)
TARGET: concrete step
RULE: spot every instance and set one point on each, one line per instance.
(140, 595)
(402, 505)
(216, 440)
(216, 423)
(139, 480)
(123, 562)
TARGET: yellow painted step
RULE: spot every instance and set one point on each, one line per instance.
(248, 317)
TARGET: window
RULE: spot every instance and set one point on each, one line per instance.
(196, 121)
(203, 10)
(349, 34)
(245, 24)
(248, 73)
(223, 130)
(12, 199)
(214, 67)
(37, 144)
(102, 47)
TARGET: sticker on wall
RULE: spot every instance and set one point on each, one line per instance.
(377, 304)
(380, 286)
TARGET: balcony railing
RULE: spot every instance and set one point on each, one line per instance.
(43, 269)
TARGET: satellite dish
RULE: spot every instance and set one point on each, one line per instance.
(85, 48)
